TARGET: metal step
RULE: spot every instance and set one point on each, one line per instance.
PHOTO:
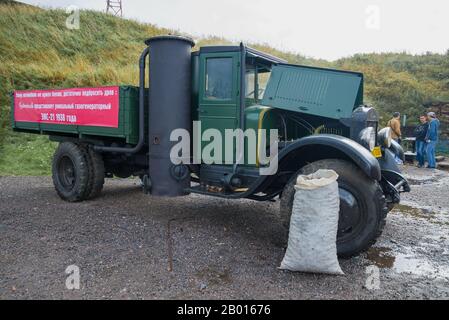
(220, 192)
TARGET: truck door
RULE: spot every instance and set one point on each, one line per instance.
(219, 94)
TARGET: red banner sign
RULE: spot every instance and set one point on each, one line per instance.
(77, 106)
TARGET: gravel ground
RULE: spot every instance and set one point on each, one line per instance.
(220, 249)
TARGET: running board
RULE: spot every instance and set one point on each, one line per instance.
(220, 194)
(244, 193)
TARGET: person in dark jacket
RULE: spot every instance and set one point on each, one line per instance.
(420, 134)
(432, 139)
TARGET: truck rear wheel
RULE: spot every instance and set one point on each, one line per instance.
(96, 173)
(363, 208)
(70, 172)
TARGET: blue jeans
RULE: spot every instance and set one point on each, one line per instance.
(420, 152)
(431, 154)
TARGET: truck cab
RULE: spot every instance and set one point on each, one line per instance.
(299, 101)
(322, 123)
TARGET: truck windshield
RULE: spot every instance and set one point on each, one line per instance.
(250, 82)
(263, 81)
(256, 81)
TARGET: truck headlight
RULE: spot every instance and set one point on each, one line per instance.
(368, 138)
(384, 137)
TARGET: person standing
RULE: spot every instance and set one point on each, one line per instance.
(420, 134)
(432, 139)
(395, 125)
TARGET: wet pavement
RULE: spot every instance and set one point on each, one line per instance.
(415, 246)
(131, 246)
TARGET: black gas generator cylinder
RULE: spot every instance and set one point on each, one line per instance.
(170, 97)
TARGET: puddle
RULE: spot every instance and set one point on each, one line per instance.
(440, 218)
(410, 264)
(413, 212)
(381, 257)
(406, 263)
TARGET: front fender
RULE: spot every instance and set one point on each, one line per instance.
(393, 183)
(296, 154)
(346, 147)
(388, 161)
(397, 149)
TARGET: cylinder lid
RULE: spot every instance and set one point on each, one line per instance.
(170, 37)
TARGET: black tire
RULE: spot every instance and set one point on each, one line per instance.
(96, 173)
(361, 223)
(390, 207)
(70, 172)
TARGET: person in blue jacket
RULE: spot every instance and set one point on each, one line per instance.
(432, 139)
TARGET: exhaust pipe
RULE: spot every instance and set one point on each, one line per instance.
(141, 140)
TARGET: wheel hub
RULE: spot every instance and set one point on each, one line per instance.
(350, 215)
(66, 171)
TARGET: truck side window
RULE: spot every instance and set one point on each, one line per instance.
(218, 79)
(250, 84)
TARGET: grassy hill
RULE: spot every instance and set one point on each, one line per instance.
(38, 51)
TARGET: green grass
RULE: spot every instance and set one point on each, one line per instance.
(38, 51)
(26, 154)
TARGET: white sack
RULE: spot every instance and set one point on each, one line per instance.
(312, 243)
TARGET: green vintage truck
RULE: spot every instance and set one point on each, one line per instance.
(318, 115)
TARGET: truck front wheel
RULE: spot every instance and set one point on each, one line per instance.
(70, 172)
(363, 208)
